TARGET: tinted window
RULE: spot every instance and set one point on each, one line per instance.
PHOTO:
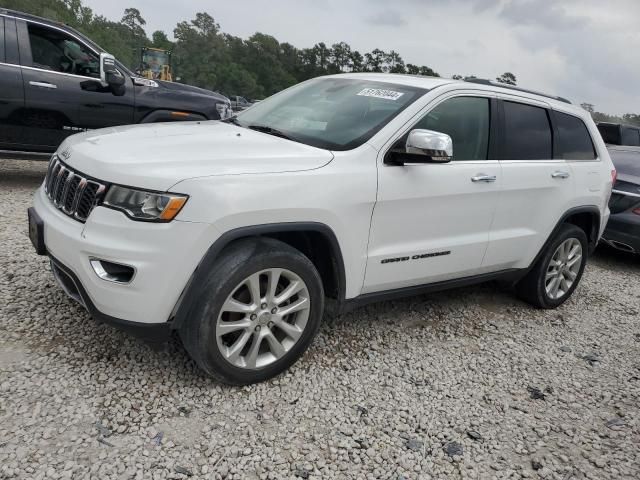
(1, 39)
(58, 52)
(630, 137)
(527, 132)
(610, 133)
(466, 121)
(574, 141)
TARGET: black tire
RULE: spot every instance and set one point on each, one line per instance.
(532, 287)
(236, 263)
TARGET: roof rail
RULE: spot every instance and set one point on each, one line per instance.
(484, 81)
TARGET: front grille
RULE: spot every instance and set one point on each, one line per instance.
(72, 192)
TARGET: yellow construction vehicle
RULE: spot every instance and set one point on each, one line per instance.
(156, 64)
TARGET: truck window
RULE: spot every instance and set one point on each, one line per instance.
(2, 39)
(610, 133)
(630, 137)
(574, 141)
(527, 132)
(56, 51)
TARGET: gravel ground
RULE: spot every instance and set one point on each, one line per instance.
(464, 384)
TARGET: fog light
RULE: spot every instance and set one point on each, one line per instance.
(112, 272)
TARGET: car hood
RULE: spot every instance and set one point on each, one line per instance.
(183, 88)
(157, 156)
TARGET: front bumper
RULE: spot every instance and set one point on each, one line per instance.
(623, 232)
(151, 332)
(164, 257)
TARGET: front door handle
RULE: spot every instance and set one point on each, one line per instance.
(560, 174)
(43, 85)
(481, 177)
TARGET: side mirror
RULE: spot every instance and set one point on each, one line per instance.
(436, 146)
(110, 76)
(422, 146)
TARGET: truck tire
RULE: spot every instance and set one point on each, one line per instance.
(262, 308)
(558, 271)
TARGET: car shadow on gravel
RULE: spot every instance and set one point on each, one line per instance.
(21, 176)
(608, 257)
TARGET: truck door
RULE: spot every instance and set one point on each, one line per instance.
(63, 94)
(11, 92)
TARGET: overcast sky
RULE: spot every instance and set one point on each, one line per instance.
(585, 50)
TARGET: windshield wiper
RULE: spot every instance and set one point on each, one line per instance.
(272, 131)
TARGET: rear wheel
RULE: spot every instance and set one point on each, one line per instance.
(557, 273)
(261, 310)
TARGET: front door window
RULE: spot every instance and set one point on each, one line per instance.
(55, 51)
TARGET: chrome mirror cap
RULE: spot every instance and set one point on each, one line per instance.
(438, 146)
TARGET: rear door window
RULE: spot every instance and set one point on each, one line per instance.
(527, 132)
(574, 141)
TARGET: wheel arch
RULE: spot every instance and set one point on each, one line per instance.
(586, 217)
(315, 240)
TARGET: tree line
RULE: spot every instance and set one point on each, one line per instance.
(204, 56)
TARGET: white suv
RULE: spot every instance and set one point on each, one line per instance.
(352, 188)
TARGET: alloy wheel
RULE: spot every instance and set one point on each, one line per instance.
(262, 318)
(563, 268)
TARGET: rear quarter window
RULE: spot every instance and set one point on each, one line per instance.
(574, 141)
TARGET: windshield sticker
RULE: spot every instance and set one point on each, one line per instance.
(380, 93)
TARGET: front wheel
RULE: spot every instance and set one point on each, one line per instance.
(261, 309)
(557, 273)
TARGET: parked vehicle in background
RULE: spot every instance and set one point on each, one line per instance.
(355, 188)
(239, 103)
(55, 82)
(623, 229)
(619, 134)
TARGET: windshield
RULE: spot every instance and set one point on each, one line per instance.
(331, 113)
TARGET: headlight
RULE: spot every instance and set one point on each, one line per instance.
(224, 110)
(147, 206)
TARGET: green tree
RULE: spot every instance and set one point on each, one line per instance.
(356, 61)
(507, 78)
(374, 61)
(159, 39)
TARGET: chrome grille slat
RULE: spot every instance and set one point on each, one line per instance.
(70, 191)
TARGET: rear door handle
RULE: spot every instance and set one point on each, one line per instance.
(43, 85)
(560, 174)
(481, 177)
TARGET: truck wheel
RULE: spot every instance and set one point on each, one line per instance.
(261, 308)
(557, 273)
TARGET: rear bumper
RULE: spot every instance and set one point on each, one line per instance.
(623, 232)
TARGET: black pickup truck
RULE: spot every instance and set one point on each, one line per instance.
(623, 229)
(55, 82)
